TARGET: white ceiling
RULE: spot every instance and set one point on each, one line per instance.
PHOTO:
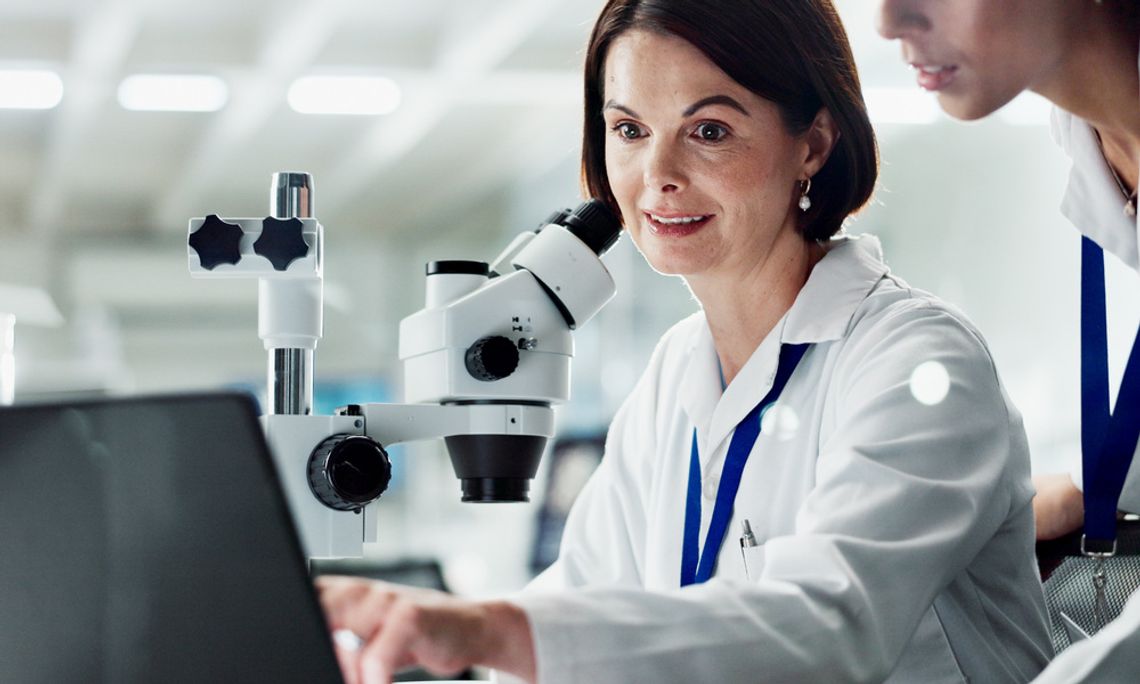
(477, 76)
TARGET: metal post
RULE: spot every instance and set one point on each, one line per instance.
(290, 377)
(7, 359)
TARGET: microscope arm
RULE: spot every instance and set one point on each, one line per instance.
(396, 423)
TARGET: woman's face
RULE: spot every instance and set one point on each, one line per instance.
(977, 55)
(703, 169)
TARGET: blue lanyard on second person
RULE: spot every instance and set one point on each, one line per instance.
(698, 567)
(1108, 439)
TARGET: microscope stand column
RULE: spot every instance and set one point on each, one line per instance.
(296, 303)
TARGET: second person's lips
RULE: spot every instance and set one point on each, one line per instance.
(934, 77)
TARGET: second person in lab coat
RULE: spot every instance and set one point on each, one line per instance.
(1081, 55)
(857, 424)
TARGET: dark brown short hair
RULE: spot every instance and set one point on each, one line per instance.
(792, 52)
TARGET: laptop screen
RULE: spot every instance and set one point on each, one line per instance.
(148, 540)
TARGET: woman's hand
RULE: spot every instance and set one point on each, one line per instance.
(401, 627)
(1058, 508)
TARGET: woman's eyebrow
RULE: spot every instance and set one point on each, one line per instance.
(715, 100)
(611, 104)
(691, 109)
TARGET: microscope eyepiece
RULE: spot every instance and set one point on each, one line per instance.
(456, 266)
(556, 218)
(594, 224)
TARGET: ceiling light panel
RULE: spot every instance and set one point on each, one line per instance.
(360, 95)
(30, 89)
(173, 93)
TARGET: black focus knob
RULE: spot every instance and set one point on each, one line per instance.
(281, 242)
(347, 472)
(492, 358)
(216, 242)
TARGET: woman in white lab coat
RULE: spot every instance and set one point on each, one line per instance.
(856, 424)
(1083, 56)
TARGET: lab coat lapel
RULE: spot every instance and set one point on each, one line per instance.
(700, 388)
(747, 389)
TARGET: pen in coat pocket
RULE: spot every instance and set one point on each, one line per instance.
(747, 540)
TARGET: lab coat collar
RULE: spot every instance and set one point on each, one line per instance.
(1093, 201)
(836, 287)
(822, 312)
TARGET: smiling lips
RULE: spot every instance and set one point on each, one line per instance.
(675, 224)
(934, 77)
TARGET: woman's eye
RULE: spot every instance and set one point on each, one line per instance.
(627, 130)
(711, 132)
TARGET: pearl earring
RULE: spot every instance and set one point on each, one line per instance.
(805, 201)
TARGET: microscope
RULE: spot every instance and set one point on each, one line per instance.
(484, 361)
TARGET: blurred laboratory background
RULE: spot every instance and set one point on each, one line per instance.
(440, 129)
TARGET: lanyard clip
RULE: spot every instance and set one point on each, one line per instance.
(1097, 548)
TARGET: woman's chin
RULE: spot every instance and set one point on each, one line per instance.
(672, 257)
(673, 265)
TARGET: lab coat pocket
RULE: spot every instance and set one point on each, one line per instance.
(752, 562)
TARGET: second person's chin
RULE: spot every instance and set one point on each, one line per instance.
(963, 107)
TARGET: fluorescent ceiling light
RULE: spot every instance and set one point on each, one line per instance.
(173, 93)
(344, 95)
(901, 106)
(30, 89)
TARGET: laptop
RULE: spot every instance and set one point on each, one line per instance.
(148, 540)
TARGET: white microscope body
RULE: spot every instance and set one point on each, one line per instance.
(484, 361)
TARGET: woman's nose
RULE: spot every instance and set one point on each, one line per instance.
(899, 18)
(664, 169)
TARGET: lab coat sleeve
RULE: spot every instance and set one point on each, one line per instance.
(906, 495)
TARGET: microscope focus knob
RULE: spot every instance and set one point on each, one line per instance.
(492, 358)
(347, 472)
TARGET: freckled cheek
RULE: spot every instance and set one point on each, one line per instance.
(736, 182)
(625, 182)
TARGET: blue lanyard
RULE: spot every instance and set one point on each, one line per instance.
(694, 569)
(1108, 439)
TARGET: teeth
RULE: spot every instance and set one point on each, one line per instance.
(932, 69)
(676, 221)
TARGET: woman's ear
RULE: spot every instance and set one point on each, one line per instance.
(820, 140)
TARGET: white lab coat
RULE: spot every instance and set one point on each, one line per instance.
(1094, 203)
(896, 537)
